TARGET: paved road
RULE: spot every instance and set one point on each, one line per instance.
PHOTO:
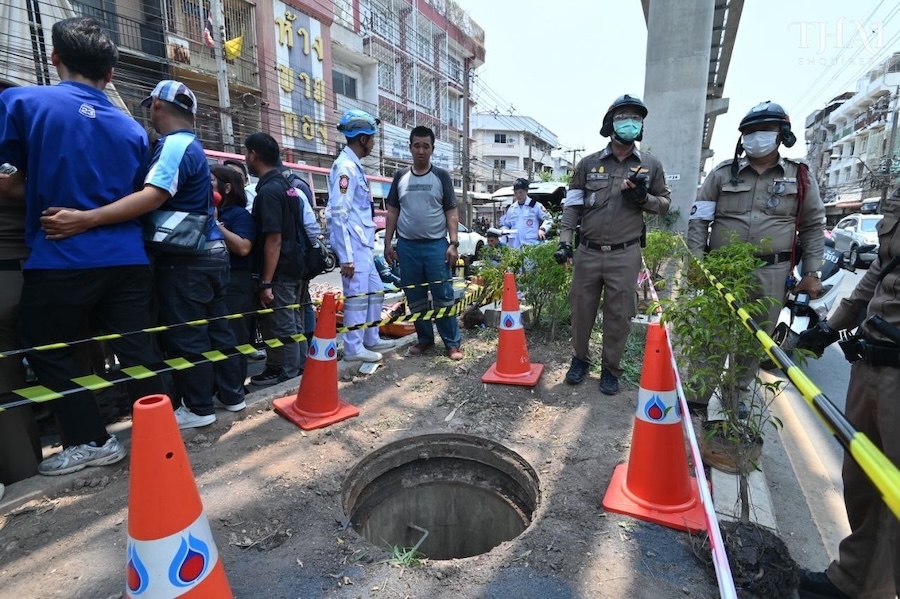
(803, 467)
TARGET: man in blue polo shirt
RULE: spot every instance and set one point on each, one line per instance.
(189, 287)
(93, 279)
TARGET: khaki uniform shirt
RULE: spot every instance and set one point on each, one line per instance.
(594, 195)
(871, 296)
(759, 209)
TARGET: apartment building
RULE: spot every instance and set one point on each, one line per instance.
(850, 150)
(506, 148)
(288, 67)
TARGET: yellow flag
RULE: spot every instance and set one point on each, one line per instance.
(233, 47)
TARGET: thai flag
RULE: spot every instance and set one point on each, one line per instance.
(208, 31)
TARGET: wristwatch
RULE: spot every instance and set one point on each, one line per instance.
(265, 284)
(454, 244)
(813, 273)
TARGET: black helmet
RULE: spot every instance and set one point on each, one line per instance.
(622, 102)
(520, 184)
(770, 112)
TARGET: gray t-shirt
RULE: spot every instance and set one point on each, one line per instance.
(422, 201)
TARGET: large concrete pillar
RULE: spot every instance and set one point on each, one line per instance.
(679, 34)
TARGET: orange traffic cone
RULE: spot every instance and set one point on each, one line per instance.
(655, 484)
(171, 551)
(317, 404)
(512, 366)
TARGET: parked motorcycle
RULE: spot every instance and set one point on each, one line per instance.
(801, 312)
(330, 257)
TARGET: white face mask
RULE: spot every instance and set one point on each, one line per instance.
(760, 143)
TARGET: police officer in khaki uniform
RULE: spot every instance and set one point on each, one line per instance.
(757, 198)
(869, 558)
(609, 193)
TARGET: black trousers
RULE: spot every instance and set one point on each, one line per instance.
(61, 305)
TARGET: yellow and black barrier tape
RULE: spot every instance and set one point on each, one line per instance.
(201, 322)
(880, 470)
(97, 382)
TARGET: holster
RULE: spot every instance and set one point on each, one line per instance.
(874, 353)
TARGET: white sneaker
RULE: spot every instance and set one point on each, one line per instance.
(79, 457)
(219, 404)
(187, 419)
(382, 345)
(364, 356)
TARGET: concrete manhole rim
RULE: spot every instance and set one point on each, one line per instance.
(520, 477)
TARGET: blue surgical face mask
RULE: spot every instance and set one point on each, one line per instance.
(627, 130)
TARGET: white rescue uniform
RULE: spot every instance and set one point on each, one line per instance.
(526, 219)
(352, 233)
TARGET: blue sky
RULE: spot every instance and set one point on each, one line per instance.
(563, 62)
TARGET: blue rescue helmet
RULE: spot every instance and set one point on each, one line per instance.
(358, 122)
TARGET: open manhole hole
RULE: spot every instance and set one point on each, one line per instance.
(448, 496)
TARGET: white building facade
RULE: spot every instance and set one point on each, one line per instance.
(506, 148)
(861, 161)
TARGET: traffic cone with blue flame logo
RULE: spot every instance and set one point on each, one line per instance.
(656, 485)
(512, 366)
(171, 551)
(317, 404)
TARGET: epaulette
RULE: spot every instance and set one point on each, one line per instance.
(723, 164)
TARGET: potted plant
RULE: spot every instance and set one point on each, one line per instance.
(719, 358)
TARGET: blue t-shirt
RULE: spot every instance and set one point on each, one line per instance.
(240, 222)
(179, 167)
(78, 151)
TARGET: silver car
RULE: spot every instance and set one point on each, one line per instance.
(857, 230)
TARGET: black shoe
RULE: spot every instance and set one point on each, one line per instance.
(269, 376)
(816, 585)
(609, 385)
(577, 370)
(743, 410)
(699, 409)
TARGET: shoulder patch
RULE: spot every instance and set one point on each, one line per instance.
(344, 183)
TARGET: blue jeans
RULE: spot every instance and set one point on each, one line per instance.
(192, 288)
(289, 359)
(427, 261)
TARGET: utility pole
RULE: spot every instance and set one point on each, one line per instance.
(530, 161)
(889, 155)
(574, 150)
(465, 147)
(218, 15)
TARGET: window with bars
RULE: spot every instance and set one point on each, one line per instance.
(454, 68)
(387, 76)
(425, 92)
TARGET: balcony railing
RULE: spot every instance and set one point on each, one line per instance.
(185, 23)
(131, 34)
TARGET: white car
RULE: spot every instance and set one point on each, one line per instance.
(856, 230)
(470, 242)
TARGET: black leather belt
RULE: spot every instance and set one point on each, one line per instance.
(609, 248)
(778, 258)
(6, 265)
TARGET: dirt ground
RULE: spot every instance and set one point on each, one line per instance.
(272, 495)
